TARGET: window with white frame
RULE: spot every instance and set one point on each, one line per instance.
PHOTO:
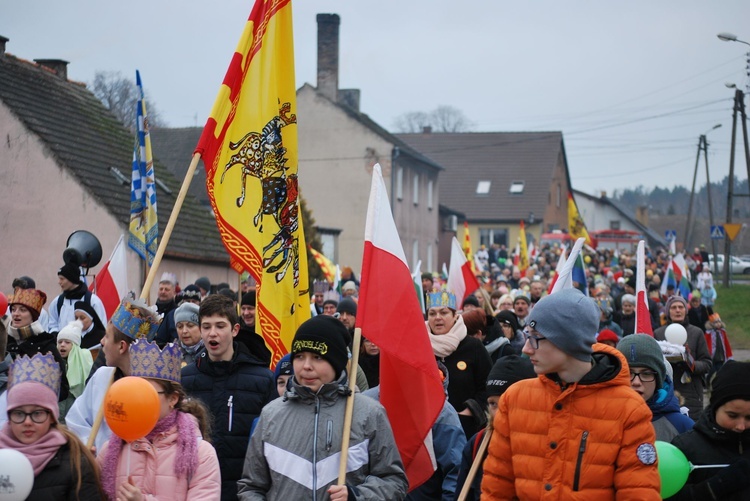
(414, 253)
(400, 183)
(429, 257)
(429, 194)
(483, 187)
(516, 187)
(415, 196)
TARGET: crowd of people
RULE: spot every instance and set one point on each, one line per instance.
(550, 394)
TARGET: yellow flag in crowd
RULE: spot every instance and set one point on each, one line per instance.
(249, 147)
(576, 226)
(523, 258)
(467, 248)
(326, 265)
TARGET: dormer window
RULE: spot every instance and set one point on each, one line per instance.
(483, 187)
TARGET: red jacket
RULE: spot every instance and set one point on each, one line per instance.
(592, 440)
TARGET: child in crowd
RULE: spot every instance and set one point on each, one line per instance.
(307, 425)
(282, 373)
(650, 379)
(63, 467)
(173, 462)
(78, 363)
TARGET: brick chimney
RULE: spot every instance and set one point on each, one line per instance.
(57, 65)
(641, 215)
(328, 55)
(3, 41)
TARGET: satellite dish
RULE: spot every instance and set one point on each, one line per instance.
(83, 249)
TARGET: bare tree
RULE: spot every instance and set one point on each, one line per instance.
(442, 119)
(120, 95)
(449, 119)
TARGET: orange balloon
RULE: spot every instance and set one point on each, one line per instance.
(131, 408)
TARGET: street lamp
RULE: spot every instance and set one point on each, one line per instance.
(730, 37)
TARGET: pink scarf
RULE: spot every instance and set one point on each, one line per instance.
(187, 446)
(40, 452)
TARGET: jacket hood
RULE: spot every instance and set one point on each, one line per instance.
(609, 369)
(706, 425)
(663, 401)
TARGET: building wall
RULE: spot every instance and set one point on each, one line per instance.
(336, 156)
(43, 203)
(599, 216)
(556, 213)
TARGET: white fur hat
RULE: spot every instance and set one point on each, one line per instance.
(72, 332)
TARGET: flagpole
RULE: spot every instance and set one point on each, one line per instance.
(170, 224)
(478, 460)
(349, 406)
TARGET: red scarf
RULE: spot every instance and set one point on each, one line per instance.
(40, 452)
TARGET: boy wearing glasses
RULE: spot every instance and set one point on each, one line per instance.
(578, 431)
(649, 378)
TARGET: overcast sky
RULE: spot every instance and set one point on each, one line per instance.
(631, 85)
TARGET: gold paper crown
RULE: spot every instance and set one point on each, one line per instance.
(42, 369)
(135, 320)
(147, 360)
(442, 298)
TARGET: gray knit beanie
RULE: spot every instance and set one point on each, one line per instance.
(675, 299)
(569, 320)
(641, 350)
(187, 312)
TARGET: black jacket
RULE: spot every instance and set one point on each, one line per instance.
(707, 443)
(235, 392)
(56, 481)
(43, 342)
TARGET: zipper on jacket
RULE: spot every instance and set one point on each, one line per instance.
(315, 451)
(231, 410)
(329, 436)
(579, 462)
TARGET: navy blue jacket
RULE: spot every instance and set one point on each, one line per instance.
(234, 392)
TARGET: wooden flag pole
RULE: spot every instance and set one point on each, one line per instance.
(99, 415)
(170, 224)
(349, 406)
(475, 465)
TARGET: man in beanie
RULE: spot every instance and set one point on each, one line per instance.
(721, 436)
(649, 378)
(306, 426)
(696, 362)
(282, 373)
(329, 307)
(62, 307)
(247, 335)
(582, 432)
(505, 372)
(346, 312)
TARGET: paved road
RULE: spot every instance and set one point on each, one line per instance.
(741, 355)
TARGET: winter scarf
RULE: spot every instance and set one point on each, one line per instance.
(24, 333)
(78, 366)
(445, 344)
(191, 350)
(187, 444)
(40, 452)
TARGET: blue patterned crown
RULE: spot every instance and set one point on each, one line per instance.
(135, 319)
(42, 369)
(148, 360)
(440, 299)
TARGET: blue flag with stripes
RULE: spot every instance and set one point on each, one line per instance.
(144, 230)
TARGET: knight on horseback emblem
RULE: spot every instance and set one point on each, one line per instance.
(261, 155)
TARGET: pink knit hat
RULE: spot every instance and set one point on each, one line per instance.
(31, 393)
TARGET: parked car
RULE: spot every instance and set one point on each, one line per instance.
(738, 266)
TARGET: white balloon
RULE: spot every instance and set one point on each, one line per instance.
(676, 334)
(16, 475)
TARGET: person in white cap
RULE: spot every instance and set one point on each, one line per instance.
(78, 363)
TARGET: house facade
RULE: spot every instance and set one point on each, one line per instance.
(67, 165)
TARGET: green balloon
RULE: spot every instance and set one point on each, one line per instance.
(674, 468)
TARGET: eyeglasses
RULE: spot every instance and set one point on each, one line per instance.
(645, 376)
(533, 341)
(38, 416)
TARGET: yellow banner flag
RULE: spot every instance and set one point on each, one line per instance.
(326, 265)
(467, 248)
(523, 250)
(576, 226)
(249, 147)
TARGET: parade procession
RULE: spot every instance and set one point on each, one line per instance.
(324, 309)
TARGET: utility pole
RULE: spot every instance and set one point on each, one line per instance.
(739, 106)
(702, 147)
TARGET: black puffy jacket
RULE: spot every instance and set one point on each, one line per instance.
(235, 392)
(56, 480)
(708, 443)
(43, 342)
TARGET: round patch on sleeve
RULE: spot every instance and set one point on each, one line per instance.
(646, 453)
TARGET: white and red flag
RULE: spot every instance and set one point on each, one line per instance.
(642, 316)
(461, 279)
(111, 283)
(389, 315)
